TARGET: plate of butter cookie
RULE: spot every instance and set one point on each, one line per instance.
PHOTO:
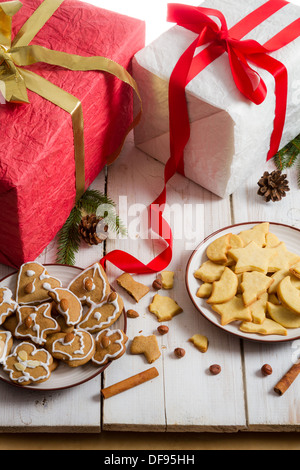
(245, 279)
(60, 326)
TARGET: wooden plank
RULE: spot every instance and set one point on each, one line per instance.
(266, 410)
(74, 410)
(184, 397)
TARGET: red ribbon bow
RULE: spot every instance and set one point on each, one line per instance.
(240, 52)
(196, 19)
(220, 39)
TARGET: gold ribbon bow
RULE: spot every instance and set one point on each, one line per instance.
(17, 53)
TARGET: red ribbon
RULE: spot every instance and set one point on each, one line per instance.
(240, 52)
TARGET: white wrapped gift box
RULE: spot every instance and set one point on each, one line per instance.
(230, 135)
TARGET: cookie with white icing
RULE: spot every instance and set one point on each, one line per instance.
(67, 305)
(7, 305)
(110, 345)
(103, 315)
(91, 286)
(6, 344)
(34, 283)
(75, 349)
(35, 323)
(27, 364)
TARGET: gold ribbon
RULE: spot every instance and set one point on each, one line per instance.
(17, 53)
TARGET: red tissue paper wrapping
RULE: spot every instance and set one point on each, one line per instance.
(37, 165)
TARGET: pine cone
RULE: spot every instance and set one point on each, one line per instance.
(273, 186)
(89, 230)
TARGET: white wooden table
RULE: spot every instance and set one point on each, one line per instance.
(185, 397)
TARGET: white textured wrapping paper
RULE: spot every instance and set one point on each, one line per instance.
(230, 136)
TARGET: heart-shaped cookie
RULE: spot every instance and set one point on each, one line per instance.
(34, 284)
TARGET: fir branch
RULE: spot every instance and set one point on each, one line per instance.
(69, 238)
(92, 199)
(111, 218)
(288, 155)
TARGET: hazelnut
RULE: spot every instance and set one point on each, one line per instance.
(179, 352)
(163, 329)
(64, 305)
(266, 369)
(132, 314)
(157, 284)
(69, 338)
(215, 369)
(28, 322)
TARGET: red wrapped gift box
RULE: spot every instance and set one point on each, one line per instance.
(37, 165)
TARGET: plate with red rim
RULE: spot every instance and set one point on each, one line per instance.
(63, 377)
(286, 233)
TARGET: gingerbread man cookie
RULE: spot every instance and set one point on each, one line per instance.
(34, 283)
(6, 344)
(28, 364)
(110, 345)
(67, 305)
(75, 349)
(91, 286)
(35, 323)
(7, 305)
(103, 315)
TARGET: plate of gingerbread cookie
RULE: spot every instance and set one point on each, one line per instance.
(245, 279)
(60, 326)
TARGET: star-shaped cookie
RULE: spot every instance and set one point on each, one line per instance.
(252, 258)
(233, 310)
(283, 259)
(257, 234)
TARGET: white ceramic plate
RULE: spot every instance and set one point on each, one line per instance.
(64, 376)
(287, 234)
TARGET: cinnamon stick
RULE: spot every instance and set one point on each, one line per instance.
(287, 380)
(129, 383)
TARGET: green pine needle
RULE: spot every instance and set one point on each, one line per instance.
(288, 156)
(69, 238)
(111, 218)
